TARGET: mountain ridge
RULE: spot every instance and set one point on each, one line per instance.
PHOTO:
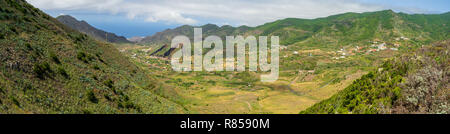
(294, 30)
(86, 28)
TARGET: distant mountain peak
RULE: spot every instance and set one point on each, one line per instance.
(66, 17)
(86, 28)
(210, 25)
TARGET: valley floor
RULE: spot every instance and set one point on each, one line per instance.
(237, 93)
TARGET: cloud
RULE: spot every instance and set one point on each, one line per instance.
(251, 12)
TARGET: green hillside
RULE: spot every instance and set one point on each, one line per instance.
(355, 28)
(332, 31)
(329, 33)
(414, 83)
(47, 67)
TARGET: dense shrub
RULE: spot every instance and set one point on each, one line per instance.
(42, 70)
(91, 97)
(77, 37)
(63, 72)
(109, 83)
(86, 58)
(96, 67)
(15, 101)
(187, 84)
(28, 45)
(54, 58)
(426, 90)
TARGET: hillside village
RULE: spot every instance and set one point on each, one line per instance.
(145, 54)
(376, 46)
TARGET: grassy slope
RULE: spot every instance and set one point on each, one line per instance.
(414, 83)
(49, 68)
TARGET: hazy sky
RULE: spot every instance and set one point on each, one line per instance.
(145, 17)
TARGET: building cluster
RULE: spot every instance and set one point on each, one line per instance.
(376, 46)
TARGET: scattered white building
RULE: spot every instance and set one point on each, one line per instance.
(382, 46)
(401, 38)
(147, 50)
(404, 38)
(357, 48)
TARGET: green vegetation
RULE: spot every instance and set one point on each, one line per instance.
(42, 70)
(91, 97)
(84, 57)
(407, 84)
(63, 72)
(319, 58)
(52, 56)
(49, 68)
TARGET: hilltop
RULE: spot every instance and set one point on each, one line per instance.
(47, 67)
(86, 28)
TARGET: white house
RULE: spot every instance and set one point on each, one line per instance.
(382, 46)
